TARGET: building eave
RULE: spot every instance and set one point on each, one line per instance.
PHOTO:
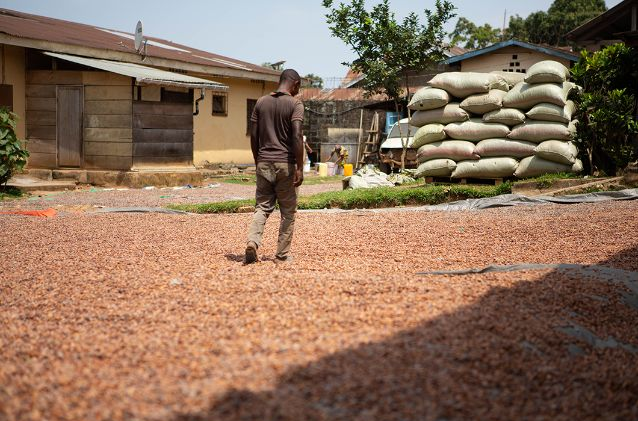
(494, 47)
(133, 58)
(585, 30)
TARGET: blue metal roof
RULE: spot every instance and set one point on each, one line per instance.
(546, 50)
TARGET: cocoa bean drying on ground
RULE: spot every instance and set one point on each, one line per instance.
(154, 317)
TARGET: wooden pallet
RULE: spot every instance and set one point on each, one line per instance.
(449, 180)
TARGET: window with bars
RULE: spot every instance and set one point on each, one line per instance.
(250, 106)
(220, 104)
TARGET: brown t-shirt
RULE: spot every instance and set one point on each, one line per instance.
(274, 115)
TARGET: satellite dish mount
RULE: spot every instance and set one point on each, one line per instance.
(140, 41)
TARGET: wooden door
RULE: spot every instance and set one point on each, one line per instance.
(69, 126)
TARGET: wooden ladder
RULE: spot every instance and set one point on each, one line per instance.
(371, 144)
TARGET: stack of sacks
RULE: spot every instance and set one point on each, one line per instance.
(471, 125)
(543, 97)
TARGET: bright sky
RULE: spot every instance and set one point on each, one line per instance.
(255, 31)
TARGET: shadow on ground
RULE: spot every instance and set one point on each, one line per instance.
(559, 347)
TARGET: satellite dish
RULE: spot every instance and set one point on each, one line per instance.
(139, 36)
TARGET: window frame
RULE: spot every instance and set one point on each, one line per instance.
(223, 95)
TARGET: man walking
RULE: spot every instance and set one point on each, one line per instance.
(277, 146)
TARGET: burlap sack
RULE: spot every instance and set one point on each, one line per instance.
(504, 147)
(429, 98)
(507, 116)
(456, 150)
(436, 168)
(537, 131)
(464, 84)
(444, 115)
(484, 103)
(547, 71)
(475, 129)
(551, 112)
(429, 133)
(486, 168)
(524, 95)
(557, 151)
(534, 166)
(511, 78)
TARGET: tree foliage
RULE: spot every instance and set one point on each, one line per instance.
(12, 156)
(551, 26)
(386, 48)
(470, 36)
(607, 106)
(543, 27)
(312, 81)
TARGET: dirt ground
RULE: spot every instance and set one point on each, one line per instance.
(154, 317)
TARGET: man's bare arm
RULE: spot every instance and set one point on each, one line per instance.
(298, 150)
(254, 139)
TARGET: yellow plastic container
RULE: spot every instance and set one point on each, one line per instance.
(323, 169)
(347, 170)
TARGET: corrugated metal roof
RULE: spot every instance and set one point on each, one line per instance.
(143, 74)
(41, 28)
(455, 50)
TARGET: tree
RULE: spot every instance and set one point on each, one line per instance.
(516, 29)
(552, 26)
(313, 81)
(607, 106)
(12, 156)
(472, 36)
(386, 49)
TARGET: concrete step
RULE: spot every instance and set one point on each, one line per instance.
(27, 183)
(134, 179)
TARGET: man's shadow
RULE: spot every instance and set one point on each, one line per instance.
(561, 347)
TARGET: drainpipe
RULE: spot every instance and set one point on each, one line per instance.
(197, 102)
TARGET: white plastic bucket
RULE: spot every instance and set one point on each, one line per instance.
(332, 169)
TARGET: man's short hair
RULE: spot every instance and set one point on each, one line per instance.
(289, 74)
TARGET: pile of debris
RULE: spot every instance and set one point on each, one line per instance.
(369, 177)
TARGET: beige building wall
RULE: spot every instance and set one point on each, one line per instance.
(13, 68)
(504, 58)
(224, 139)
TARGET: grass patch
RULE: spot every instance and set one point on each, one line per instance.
(547, 180)
(9, 193)
(230, 206)
(381, 197)
(251, 179)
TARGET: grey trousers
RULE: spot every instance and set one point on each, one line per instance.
(275, 184)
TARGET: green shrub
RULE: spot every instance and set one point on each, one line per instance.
(606, 107)
(7, 193)
(12, 156)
